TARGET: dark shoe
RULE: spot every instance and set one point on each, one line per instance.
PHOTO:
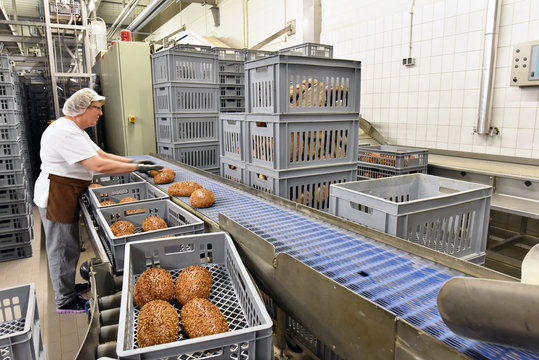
(77, 305)
(82, 288)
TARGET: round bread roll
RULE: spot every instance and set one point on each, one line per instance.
(128, 199)
(122, 227)
(153, 223)
(153, 284)
(202, 198)
(193, 282)
(157, 323)
(95, 185)
(200, 317)
(164, 176)
(183, 188)
(152, 173)
(107, 202)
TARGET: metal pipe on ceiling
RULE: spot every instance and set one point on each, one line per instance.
(120, 16)
(487, 71)
(144, 14)
(113, 30)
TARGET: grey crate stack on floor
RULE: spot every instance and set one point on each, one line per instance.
(16, 222)
(231, 79)
(299, 133)
(186, 102)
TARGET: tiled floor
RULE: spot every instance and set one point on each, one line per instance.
(62, 334)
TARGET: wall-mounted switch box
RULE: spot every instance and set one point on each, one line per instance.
(525, 64)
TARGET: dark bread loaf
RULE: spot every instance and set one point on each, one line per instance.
(202, 198)
(122, 227)
(153, 223)
(200, 317)
(152, 284)
(157, 323)
(183, 188)
(193, 282)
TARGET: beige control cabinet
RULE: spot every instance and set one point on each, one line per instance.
(126, 81)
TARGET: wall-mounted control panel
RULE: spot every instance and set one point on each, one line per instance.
(525, 65)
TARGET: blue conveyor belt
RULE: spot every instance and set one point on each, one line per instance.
(402, 283)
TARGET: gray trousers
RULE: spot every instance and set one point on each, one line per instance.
(63, 251)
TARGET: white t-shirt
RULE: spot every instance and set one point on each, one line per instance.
(63, 145)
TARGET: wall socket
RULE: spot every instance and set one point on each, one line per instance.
(408, 61)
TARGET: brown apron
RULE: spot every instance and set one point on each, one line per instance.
(63, 203)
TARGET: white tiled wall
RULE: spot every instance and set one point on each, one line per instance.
(435, 103)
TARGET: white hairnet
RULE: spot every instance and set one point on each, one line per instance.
(79, 101)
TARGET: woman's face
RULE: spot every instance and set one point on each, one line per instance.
(92, 114)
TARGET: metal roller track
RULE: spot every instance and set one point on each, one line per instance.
(404, 285)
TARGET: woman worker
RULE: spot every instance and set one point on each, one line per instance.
(68, 159)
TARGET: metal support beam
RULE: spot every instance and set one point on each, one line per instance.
(203, 2)
(286, 30)
(22, 39)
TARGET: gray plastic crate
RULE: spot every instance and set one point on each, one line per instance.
(232, 291)
(106, 179)
(173, 128)
(371, 171)
(232, 90)
(20, 336)
(11, 163)
(231, 79)
(184, 66)
(307, 186)
(232, 104)
(298, 84)
(443, 214)
(11, 178)
(11, 193)
(9, 103)
(18, 222)
(232, 169)
(193, 48)
(5, 62)
(229, 54)
(309, 49)
(179, 222)
(10, 132)
(11, 239)
(294, 141)
(14, 253)
(10, 148)
(185, 98)
(235, 67)
(258, 54)
(7, 90)
(202, 154)
(14, 208)
(233, 136)
(142, 191)
(393, 157)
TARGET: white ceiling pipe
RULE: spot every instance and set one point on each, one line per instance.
(144, 14)
(120, 16)
(125, 17)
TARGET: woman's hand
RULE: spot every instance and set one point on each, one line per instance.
(143, 162)
(147, 167)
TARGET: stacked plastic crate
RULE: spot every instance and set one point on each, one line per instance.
(231, 79)
(15, 189)
(383, 161)
(186, 102)
(299, 133)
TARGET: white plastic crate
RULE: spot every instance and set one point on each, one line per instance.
(232, 291)
(294, 141)
(229, 54)
(309, 49)
(10, 148)
(251, 55)
(20, 336)
(201, 154)
(232, 169)
(233, 136)
(307, 186)
(228, 104)
(10, 117)
(286, 84)
(172, 128)
(142, 191)
(235, 67)
(232, 90)
(7, 76)
(11, 178)
(185, 98)
(14, 238)
(11, 163)
(11, 193)
(7, 89)
(443, 214)
(184, 66)
(231, 79)
(9, 103)
(179, 222)
(10, 133)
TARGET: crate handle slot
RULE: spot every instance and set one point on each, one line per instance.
(178, 249)
(361, 208)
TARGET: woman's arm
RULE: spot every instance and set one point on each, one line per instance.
(106, 165)
(110, 156)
